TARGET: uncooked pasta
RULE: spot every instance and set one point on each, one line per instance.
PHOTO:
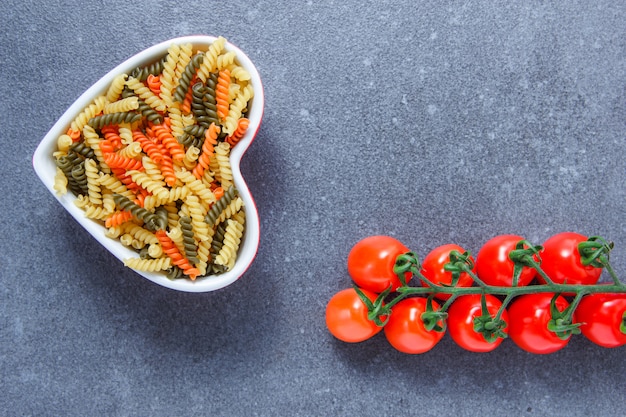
(149, 159)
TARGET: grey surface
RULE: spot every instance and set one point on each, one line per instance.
(434, 122)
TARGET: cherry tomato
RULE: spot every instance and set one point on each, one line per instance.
(602, 315)
(529, 315)
(371, 262)
(433, 268)
(461, 315)
(405, 329)
(560, 260)
(494, 267)
(346, 316)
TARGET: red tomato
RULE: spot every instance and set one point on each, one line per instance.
(433, 268)
(461, 315)
(494, 267)
(602, 315)
(346, 316)
(405, 329)
(560, 260)
(529, 315)
(371, 262)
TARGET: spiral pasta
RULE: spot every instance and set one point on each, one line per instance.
(90, 111)
(209, 64)
(98, 122)
(224, 173)
(168, 75)
(176, 256)
(115, 89)
(237, 108)
(208, 148)
(93, 183)
(149, 159)
(232, 239)
(127, 104)
(145, 94)
(222, 93)
(149, 265)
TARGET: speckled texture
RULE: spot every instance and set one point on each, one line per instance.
(434, 122)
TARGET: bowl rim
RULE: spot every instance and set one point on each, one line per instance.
(45, 167)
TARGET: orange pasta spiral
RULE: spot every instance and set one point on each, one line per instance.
(164, 136)
(149, 147)
(222, 93)
(167, 169)
(74, 134)
(106, 146)
(125, 179)
(242, 127)
(218, 192)
(118, 218)
(178, 259)
(114, 160)
(207, 150)
(154, 84)
(186, 105)
(111, 134)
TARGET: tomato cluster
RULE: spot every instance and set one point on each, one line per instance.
(538, 296)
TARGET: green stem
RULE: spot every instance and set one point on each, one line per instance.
(595, 252)
(515, 291)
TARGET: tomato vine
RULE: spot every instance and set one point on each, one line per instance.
(557, 299)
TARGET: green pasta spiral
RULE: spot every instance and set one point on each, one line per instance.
(197, 98)
(150, 220)
(189, 242)
(143, 253)
(220, 205)
(175, 273)
(66, 163)
(203, 105)
(187, 75)
(81, 149)
(192, 133)
(160, 217)
(218, 240)
(156, 68)
(98, 122)
(144, 108)
(79, 175)
(209, 100)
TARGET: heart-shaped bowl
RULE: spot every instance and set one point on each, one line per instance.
(246, 242)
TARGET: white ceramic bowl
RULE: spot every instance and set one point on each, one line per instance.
(45, 167)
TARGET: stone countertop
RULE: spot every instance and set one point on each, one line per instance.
(433, 122)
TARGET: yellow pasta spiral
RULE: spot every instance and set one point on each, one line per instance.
(155, 187)
(115, 89)
(237, 107)
(225, 173)
(89, 112)
(92, 139)
(226, 60)
(149, 265)
(232, 239)
(93, 177)
(115, 185)
(197, 213)
(209, 64)
(140, 233)
(197, 187)
(174, 194)
(60, 182)
(168, 74)
(124, 105)
(145, 94)
(230, 210)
